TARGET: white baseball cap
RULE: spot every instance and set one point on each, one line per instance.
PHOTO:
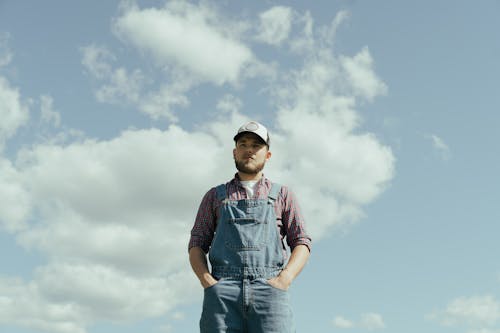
(253, 127)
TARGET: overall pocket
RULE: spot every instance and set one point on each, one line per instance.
(245, 234)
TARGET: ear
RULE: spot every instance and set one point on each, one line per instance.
(268, 155)
(234, 152)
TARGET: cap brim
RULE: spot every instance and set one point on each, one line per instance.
(239, 135)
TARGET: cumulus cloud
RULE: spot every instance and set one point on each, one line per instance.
(190, 45)
(368, 321)
(22, 304)
(5, 52)
(121, 86)
(440, 146)
(15, 198)
(475, 310)
(97, 60)
(185, 35)
(275, 25)
(48, 114)
(342, 322)
(329, 32)
(320, 153)
(64, 298)
(372, 321)
(136, 173)
(112, 216)
(361, 76)
(229, 103)
(14, 113)
(162, 103)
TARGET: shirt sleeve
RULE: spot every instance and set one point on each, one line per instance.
(203, 229)
(293, 221)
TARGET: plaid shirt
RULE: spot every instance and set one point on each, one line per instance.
(289, 220)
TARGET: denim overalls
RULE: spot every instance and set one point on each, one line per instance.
(246, 251)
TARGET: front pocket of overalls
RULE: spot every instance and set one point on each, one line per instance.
(245, 234)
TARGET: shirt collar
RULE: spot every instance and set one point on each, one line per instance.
(261, 181)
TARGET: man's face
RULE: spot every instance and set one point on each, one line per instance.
(250, 154)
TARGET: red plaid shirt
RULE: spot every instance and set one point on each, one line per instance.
(289, 220)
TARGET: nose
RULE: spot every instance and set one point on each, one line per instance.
(249, 150)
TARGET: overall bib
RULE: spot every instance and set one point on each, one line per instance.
(245, 253)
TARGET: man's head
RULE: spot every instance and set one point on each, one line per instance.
(253, 127)
(252, 149)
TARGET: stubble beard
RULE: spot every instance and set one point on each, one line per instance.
(247, 169)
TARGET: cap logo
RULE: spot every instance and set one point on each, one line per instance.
(251, 126)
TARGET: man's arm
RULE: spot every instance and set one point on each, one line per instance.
(201, 237)
(297, 261)
(198, 260)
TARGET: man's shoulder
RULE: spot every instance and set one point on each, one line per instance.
(284, 190)
(221, 188)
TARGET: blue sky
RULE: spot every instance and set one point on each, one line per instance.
(116, 117)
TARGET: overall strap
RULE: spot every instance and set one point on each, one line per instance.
(221, 192)
(273, 193)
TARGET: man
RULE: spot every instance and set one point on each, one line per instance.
(242, 225)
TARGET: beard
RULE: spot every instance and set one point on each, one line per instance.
(249, 168)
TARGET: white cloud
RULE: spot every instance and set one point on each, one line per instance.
(229, 104)
(65, 298)
(105, 293)
(13, 112)
(136, 173)
(275, 25)
(177, 315)
(119, 85)
(48, 114)
(15, 198)
(328, 33)
(440, 146)
(304, 41)
(112, 217)
(320, 153)
(342, 322)
(162, 103)
(186, 35)
(122, 87)
(368, 321)
(475, 310)
(356, 74)
(190, 45)
(22, 304)
(361, 77)
(97, 61)
(372, 321)
(5, 52)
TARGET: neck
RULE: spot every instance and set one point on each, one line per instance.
(249, 176)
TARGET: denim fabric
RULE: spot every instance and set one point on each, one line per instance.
(246, 306)
(245, 253)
